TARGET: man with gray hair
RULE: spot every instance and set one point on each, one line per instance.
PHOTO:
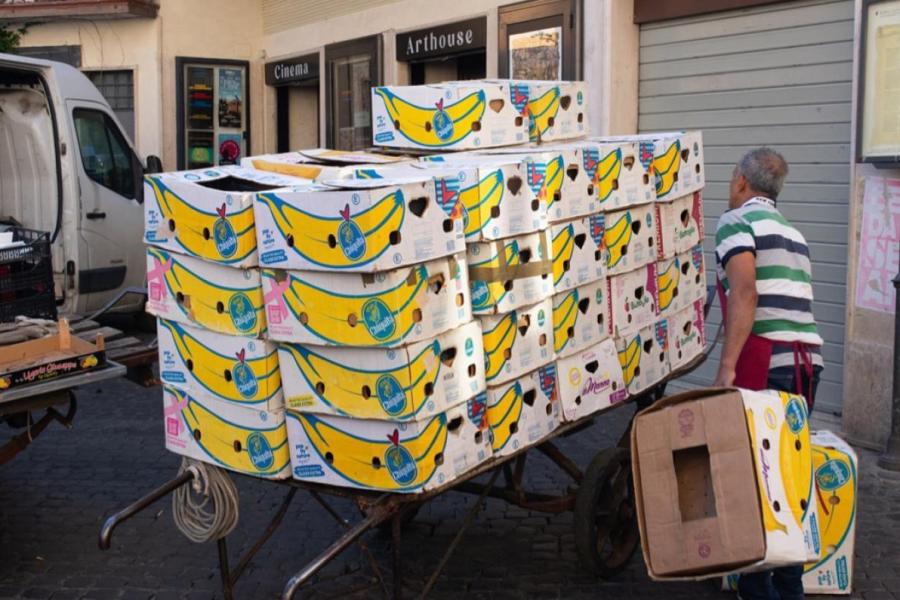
(765, 288)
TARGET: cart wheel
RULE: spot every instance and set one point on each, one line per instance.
(606, 532)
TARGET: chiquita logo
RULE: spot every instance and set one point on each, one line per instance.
(390, 395)
(795, 415)
(260, 452)
(223, 235)
(243, 377)
(350, 236)
(832, 475)
(378, 318)
(443, 124)
(242, 313)
(399, 461)
(480, 293)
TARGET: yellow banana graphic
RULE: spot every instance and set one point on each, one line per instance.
(498, 344)
(302, 170)
(667, 284)
(342, 241)
(486, 294)
(563, 247)
(769, 521)
(565, 315)
(665, 167)
(479, 202)
(256, 451)
(795, 456)
(630, 359)
(502, 415)
(385, 464)
(553, 179)
(373, 319)
(367, 394)
(616, 237)
(608, 174)
(229, 377)
(231, 310)
(434, 126)
(542, 113)
(219, 236)
(835, 488)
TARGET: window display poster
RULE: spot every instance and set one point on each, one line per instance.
(229, 148)
(199, 98)
(879, 245)
(200, 149)
(536, 54)
(881, 114)
(231, 97)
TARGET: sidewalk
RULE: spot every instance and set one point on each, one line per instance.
(54, 497)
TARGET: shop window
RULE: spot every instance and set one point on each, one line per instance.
(352, 69)
(537, 40)
(118, 89)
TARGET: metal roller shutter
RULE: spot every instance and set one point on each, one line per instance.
(780, 76)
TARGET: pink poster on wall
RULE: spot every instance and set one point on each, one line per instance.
(879, 245)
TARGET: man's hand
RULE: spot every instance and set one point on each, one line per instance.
(724, 378)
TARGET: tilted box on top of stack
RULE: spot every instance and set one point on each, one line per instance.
(317, 164)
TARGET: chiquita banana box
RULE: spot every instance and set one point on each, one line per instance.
(221, 433)
(580, 318)
(517, 342)
(619, 177)
(448, 116)
(556, 110)
(317, 164)
(630, 238)
(590, 381)
(208, 213)
(208, 295)
(679, 225)
(497, 196)
(391, 308)
(523, 411)
(416, 381)
(680, 281)
(632, 298)
(365, 225)
(511, 273)
(405, 457)
(569, 188)
(686, 335)
(231, 368)
(644, 356)
(579, 253)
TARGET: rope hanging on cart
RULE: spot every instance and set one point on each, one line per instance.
(207, 509)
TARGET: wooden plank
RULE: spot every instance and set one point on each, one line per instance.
(108, 333)
(125, 342)
(747, 80)
(757, 98)
(751, 117)
(83, 324)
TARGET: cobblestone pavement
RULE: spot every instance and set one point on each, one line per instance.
(54, 497)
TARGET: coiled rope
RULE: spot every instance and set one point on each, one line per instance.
(207, 509)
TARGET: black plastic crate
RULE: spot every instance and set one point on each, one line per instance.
(26, 277)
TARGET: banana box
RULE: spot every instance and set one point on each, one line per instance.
(523, 411)
(630, 238)
(580, 318)
(679, 225)
(579, 253)
(447, 116)
(633, 300)
(391, 308)
(235, 369)
(517, 342)
(208, 213)
(686, 335)
(221, 433)
(204, 294)
(644, 357)
(590, 381)
(617, 174)
(405, 457)
(497, 196)
(680, 281)
(416, 381)
(569, 188)
(366, 225)
(317, 164)
(676, 160)
(556, 110)
(507, 274)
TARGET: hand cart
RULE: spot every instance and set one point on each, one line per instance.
(605, 525)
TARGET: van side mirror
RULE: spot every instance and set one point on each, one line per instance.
(154, 165)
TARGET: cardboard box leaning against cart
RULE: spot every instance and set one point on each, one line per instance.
(523, 411)
(590, 381)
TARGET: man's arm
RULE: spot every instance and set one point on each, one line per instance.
(741, 272)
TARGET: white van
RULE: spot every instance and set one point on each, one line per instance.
(67, 167)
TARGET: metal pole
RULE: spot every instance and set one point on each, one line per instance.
(890, 459)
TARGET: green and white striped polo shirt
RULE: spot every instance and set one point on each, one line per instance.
(783, 274)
